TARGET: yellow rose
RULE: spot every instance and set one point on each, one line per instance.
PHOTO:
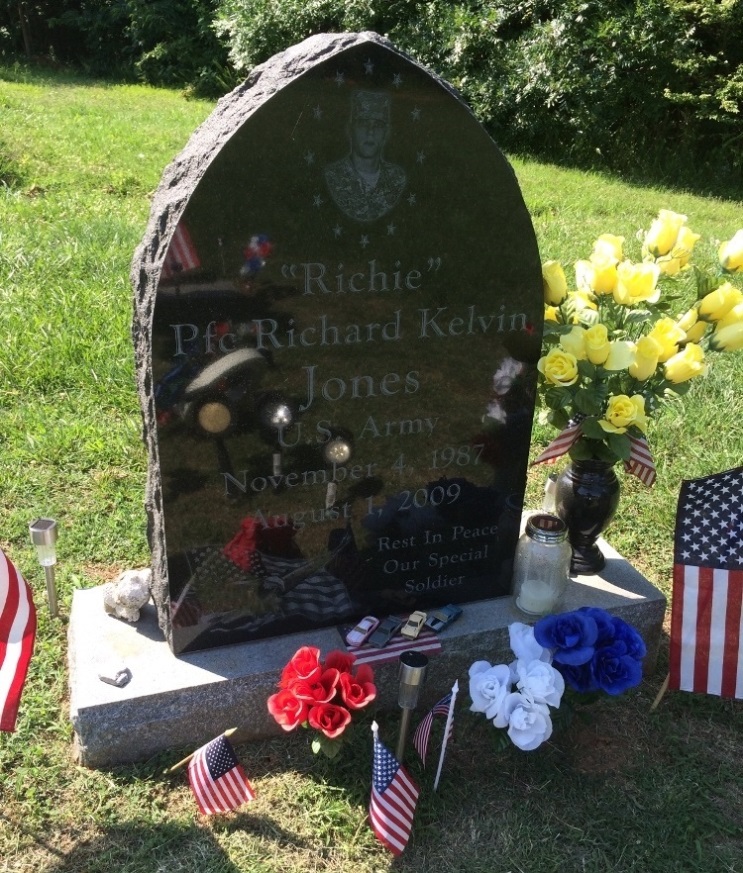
(669, 335)
(691, 325)
(685, 243)
(622, 412)
(575, 343)
(621, 354)
(730, 254)
(733, 317)
(559, 367)
(596, 276)
(597, 344)
(608, 247)
(718, 303)
(555, 283)
(663, 233)
(551, 313)
(636, 283)
(686, 364)
(694, 334)
(668, 265)
(645, 359)
(727, 339)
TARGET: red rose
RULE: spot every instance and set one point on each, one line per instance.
(359, 690)
(304, 666)
(341, 661)
(330, 719)
(320, 690)
(287, 709)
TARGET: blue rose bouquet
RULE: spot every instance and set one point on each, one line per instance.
(593, 650)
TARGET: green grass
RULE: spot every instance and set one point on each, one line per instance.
(627, 790)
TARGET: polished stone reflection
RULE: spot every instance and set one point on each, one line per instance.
(344, 344)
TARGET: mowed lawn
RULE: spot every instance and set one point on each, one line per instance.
(621, 789)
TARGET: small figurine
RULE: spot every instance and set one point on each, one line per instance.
(125, 596)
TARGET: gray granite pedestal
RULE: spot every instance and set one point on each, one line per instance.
(182, 702)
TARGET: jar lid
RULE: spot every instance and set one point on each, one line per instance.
(546, 528)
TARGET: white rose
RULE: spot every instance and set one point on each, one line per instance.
(529, 723)
(540, 682)
(489, 687)
(523, 644)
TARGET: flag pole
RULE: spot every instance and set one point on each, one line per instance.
(449, 717)
(661, 693)
(227, 733)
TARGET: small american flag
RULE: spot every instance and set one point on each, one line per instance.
(640, 461)
(706, 614)
(393, 799)
(217, 779)
(17, 634)
(423, 732)
(560, 445)
(181, 255)
(426, 641)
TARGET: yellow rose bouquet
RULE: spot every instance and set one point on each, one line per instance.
(620, 343)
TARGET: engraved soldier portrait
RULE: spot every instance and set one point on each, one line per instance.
(363, 184)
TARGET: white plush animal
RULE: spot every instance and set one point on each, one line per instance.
(128, 594)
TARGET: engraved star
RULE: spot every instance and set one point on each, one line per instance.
(339, 78)
(317, 201)
(337, 231)
(309, 158)
(368, 67)
(364, 241)
(391, 229)
(415, 114)
(420, 157)
(411, 200)
(397, 80)
(317, 112)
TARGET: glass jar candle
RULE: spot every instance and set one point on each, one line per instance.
(541, 565)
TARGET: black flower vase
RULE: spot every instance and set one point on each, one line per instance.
(586, 498)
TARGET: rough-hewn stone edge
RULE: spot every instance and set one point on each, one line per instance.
(169, 202)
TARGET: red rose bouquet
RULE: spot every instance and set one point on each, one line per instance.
(321, 695)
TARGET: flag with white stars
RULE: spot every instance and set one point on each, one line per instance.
(393, 799)
(217, 779)
(706, 612)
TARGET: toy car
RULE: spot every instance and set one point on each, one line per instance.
(443, 616)
(414, 624)
(358, 635)
(387, 629)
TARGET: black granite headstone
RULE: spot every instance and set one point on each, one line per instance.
(339, 305)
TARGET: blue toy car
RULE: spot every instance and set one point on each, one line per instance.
(442, 617)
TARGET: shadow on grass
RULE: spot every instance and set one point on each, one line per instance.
(676, 176)
(144, 847)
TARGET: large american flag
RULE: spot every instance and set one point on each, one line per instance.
(217, 779)
(706, 615)
(17, 634)
(393, 799)
(423, 732)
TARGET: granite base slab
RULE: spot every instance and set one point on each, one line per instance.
(182, 702)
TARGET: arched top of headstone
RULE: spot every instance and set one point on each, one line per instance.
(338, 314)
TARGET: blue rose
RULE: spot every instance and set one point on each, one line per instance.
(579, 678)
(614, 671)
(604, 622)
(572, 636)
(633, 642)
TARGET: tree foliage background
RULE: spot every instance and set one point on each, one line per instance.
(652, 89)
